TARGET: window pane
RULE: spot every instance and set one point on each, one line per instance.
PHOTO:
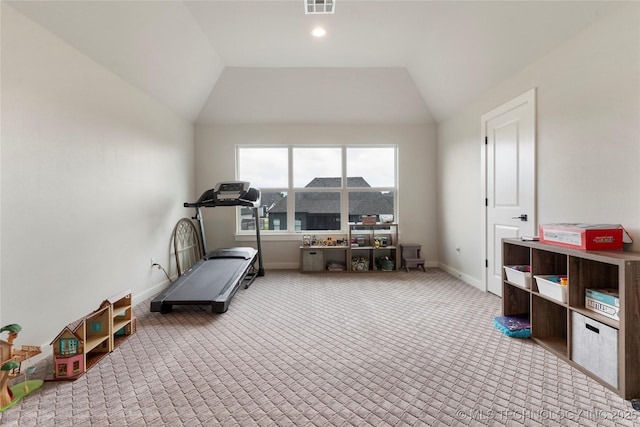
(317, 167)
(375, 165)
(370, 203)
(318, 210)
(275, 210)
(272, 211)
(264, 167)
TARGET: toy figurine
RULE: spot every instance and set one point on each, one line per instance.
(10, 362)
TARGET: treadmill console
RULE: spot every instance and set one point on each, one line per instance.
(228, 193)
(231, 190)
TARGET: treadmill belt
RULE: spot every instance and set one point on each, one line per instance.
(212, 280)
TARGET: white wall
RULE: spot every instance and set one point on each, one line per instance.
(215, 147)
(588, 144)
(93, 176)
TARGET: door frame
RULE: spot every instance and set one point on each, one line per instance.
(527, 97)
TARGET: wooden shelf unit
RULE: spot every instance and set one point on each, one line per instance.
(367, 235)
(122, 318)
(314, 259)
(552, 320)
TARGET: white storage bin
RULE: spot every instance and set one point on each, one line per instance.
(551, 289)
(517, 276)
(594, 346)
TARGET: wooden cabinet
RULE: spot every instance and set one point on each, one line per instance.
(602, 347)
(373, 247)
(315, 259)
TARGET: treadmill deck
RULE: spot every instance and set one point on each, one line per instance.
(213, 281)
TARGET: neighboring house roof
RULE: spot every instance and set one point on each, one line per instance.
(336, 182)
(271, 199)
(280, 207)
(371, 203)
(361, 203)
(318, 203)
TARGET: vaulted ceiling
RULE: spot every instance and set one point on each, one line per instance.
(238, 61)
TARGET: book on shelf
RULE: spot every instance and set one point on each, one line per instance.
(603, 301)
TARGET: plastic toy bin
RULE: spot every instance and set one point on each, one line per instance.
(550, 286)
(519, 275)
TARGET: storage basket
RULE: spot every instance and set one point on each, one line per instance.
(550, 286)
(519, 275)
(359, 264)
(385, 264)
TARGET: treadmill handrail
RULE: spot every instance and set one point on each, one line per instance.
(250, 198)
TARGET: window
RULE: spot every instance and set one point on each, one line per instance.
(62, 369)
(68, 346)
(317, 188)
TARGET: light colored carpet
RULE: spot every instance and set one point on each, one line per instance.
(398, 349)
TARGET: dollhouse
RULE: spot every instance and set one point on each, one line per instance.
(11, 361)
(82, 344)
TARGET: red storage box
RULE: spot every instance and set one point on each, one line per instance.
(593, 237)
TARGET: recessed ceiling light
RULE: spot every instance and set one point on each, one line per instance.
(319, 32)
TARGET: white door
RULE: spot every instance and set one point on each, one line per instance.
(508, 180)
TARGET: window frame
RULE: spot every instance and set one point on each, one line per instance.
(344, 190)
(68, 346)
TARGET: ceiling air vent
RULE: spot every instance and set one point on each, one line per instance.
(319, 6)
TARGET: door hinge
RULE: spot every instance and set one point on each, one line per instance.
(486, 140)
(486, 263)
(486, 201)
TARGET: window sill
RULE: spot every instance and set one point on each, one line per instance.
(285, 237)
(269, 237)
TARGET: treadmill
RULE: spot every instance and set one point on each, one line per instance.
(216, 278)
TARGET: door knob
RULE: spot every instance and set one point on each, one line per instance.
(522, 217)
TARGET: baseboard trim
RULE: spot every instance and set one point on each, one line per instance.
(282, 266)
(140, 297)
(462, 276)
(296, 266)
